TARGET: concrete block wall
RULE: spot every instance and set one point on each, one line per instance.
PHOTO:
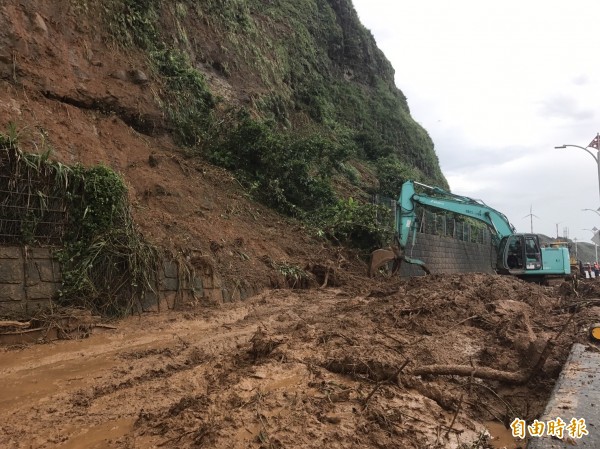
(29, 278)
(448, 255)
(193, 281)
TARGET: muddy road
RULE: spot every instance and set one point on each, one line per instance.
(301, 369)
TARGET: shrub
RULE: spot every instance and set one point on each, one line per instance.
(355, 224)
(288, 172)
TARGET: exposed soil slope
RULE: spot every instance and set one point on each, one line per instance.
(64, 89)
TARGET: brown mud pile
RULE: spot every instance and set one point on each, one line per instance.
(316, 368)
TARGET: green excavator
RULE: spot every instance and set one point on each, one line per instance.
(517, 254)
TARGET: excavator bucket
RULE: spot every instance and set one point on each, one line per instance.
(418, 262)
(379, 258)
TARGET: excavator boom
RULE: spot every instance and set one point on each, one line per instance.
(518, 254)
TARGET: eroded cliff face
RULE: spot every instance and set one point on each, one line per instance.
(67, 86)
(60, 78)
(303, 64)
(106, 84)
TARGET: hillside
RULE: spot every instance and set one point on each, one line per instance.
(292, 99)
(248, 136)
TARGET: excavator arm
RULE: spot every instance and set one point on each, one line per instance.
(435, 198)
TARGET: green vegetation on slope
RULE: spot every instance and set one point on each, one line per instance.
(310, 92)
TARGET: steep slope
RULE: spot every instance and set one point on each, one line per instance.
(293, 97)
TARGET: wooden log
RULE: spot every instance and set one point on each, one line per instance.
(518, 377)
(15, 324)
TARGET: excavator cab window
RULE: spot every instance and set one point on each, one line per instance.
(515, 253)
(522, 252)
(533, 255)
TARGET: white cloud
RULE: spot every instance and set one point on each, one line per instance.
(562, 106)
(498, 86)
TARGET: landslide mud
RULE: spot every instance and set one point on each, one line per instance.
(302, 369)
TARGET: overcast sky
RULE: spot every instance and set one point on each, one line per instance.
(498, 85)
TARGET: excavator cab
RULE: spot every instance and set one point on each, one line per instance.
(519, 253)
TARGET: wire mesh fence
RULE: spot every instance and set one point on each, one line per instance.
(29, 212)
(442, 224)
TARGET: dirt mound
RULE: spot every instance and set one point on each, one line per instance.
(586, 288)
(424, 362)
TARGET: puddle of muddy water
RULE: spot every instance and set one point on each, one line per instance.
(21, 387)
(96, 437)
(501, 436)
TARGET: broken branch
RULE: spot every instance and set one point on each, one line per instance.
(519, 377)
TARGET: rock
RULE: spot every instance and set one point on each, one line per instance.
(333, 419)
(138, 77)
(6, 70)
(11, 106)
(509, 308)
(153, 160)
(120, 75)
(39, 24)
(160, 191)
(89, 54)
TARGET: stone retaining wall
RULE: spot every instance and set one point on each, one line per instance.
(447, 255)
(30, 279)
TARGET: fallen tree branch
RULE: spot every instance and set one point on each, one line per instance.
(14, 324)
(460, 401)
(326, 278)
(380, 382)
(466, 370)
(519, 377)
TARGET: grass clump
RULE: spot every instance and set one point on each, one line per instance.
(189, 103)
